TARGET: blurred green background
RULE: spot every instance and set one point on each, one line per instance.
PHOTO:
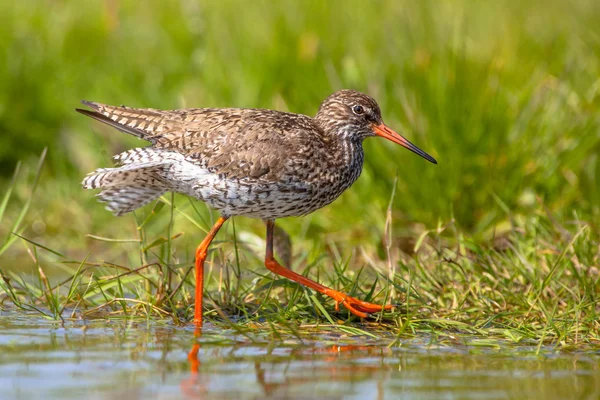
(505, 94)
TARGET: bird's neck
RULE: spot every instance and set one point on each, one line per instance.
(349, 157)
(345, 150)
(351, 151)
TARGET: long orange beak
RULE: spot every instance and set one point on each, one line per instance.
(385, 132)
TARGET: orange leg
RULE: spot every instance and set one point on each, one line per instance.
(201, 253)
(355, 306)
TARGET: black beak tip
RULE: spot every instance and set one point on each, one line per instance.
(425, 156)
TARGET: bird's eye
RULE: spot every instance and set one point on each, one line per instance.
(358, 110)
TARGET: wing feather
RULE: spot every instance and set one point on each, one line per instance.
(233, 142)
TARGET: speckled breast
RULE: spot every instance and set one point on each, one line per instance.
(254, 198)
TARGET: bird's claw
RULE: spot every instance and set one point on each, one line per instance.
(355, 306)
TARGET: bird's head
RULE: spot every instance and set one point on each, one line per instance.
(356, 116)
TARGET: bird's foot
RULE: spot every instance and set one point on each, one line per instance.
(355, 306)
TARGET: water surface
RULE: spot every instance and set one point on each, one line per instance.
(41, 359)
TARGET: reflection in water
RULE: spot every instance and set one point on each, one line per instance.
(194, 387)
(39, 359)
(338, 370)
(334, 365)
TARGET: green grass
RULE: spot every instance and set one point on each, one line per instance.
(500, 239)
(537, 282)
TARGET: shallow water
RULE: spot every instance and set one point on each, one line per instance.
(114, 360)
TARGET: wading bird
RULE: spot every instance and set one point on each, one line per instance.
(244, 162)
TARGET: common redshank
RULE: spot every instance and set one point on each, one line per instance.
(244, 162)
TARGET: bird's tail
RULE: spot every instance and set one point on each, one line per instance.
(121, 200)
(128, 187)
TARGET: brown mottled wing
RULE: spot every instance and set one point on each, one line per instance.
(235, 143)
(240, 143)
